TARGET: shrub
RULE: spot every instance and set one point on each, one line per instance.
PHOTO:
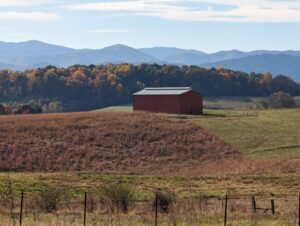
(49, 199)
(35, 108)
(7, 198)
(54, 106)
(279, 100)
(23, 108)
(165, 200)
(117, 197)
(2, 109)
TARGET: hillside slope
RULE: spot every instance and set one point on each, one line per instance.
(107, 142)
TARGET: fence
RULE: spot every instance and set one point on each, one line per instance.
(163, 209)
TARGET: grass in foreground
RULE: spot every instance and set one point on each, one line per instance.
(146, 220)
(199, 200)
(143, 186)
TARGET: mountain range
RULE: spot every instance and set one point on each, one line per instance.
(31, 54)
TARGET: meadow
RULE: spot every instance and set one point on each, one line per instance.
(274, 133)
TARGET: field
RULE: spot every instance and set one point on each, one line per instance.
(274, 133)
(257, 153)
(108, 143)
(257, 133)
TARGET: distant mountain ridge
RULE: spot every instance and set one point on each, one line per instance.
(32, 48)
(276, 64)
(165, 52)
(30, 54)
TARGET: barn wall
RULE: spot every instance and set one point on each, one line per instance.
(191, 103)
(157, 103)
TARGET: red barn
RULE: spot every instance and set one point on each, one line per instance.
(181, 100)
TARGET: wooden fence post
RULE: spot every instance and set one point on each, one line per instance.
(225, 215)
(21, 207)
(156, 209)
(273, 205)
(253, 204)
(85, 207)
(299, 211)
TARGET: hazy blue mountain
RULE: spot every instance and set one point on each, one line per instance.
(121, 53)
(276, 52)
(184, 56)
(165, 52)
(6, 66)
(32, 48)
(194, 58)
(274, 63)
(188, 58)
(40, 54)
(226, 55)
(111, 54)
(30, 54)
(24, 55)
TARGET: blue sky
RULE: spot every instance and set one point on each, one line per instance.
(207, 25)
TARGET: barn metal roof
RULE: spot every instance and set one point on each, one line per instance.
(163, 91)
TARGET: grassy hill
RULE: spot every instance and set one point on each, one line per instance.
(108, 142)
(274, 133)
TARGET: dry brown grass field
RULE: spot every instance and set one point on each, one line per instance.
(107, 142)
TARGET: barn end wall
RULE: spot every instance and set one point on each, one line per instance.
(191, 103)
(157, 103)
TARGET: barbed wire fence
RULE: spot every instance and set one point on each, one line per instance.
(215, 210)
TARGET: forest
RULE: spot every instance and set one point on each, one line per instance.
(79, 87)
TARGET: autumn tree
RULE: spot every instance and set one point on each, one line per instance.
(80, 87)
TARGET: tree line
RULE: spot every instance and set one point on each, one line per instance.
(82, 87)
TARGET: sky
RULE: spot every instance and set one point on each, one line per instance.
(206, 25)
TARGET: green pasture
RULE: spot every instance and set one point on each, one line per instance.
(263, 133)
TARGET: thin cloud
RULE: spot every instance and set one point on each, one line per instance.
(22, 3)
(136, 5)
(30, 16)
(242, 10)
(109, 30)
